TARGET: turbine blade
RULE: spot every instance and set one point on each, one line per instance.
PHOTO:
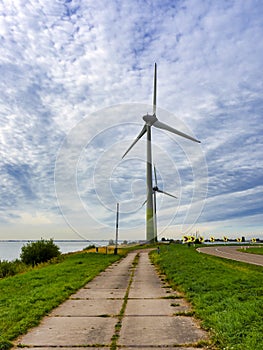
(136, 140)
(163, 126)
(144, 203)
(146, 200)
(168, 194)
(155, 176)
(154, 88)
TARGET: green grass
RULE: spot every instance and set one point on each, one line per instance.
(226, 295)
(26, 298)
(253, 250)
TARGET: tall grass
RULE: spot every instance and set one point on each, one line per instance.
(226, 295)
(11, 268)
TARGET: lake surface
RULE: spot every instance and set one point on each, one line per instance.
(11, 250)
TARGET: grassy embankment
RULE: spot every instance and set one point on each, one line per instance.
(26, 298)
(11, 268)
(252, 250)
(226, 295)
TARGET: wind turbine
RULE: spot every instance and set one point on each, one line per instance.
(151, 120)
(154, 190)
(157, 189)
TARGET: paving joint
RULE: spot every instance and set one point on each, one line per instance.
(118, 325)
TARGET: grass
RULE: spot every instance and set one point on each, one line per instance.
(122, 249)
(11, 268)
(252, 250)
(26, 298)
(226, 295)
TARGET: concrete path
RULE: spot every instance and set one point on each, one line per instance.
(231, 252)
(125, 307)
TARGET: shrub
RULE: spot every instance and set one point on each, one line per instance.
(7, 268)
(38, 252)
(11, 268)
(90, 247)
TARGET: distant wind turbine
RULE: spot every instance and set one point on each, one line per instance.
(156, 189)
(151, 120)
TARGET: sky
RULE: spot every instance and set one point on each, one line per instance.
(76, 78)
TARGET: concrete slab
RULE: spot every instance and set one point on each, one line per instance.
(148, 278)
(71, 331)
(99, 293)
(159, 331)
(147, 307)
(110, 280)
(111, 283)
(88, 308)
(122, 268)
(146, 283)
(143, 290)
(116, 276)
(155, 307)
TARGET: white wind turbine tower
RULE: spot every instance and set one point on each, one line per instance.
(151, 120)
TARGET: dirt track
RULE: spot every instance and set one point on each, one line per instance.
(231, 252)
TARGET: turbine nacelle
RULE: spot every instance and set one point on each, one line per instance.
(156, 188)
(149, 119)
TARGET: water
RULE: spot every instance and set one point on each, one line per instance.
(11, 250)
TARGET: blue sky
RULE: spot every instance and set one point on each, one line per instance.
(76, 79)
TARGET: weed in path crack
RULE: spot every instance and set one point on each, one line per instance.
(175, 304)
(172, 297)
(184, 313)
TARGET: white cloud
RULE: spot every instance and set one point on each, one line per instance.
(63, 63)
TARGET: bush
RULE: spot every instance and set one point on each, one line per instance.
(38, 252)
(7, 268)
(11, 268)
(90, 247)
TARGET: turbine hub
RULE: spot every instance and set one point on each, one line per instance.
(149, 119)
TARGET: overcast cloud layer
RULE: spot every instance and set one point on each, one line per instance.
(77, 76)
